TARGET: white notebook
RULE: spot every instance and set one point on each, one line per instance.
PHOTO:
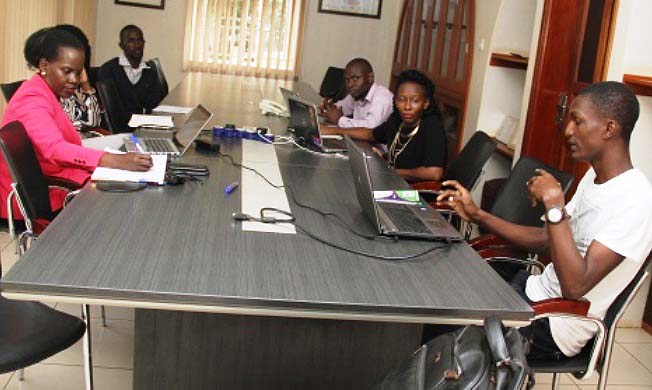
(155, 175)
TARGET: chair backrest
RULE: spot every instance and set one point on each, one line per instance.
(332, 86)
(26, 172)
(467, 166)
(10, 88)
(156, 64)
(512, 202)
(616, 310)
(115, 113)
(93, 73)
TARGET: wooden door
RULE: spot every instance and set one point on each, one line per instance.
(572, 49)
(436, 37)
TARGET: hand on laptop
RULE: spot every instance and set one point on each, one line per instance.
(128, 161)
(459, 199)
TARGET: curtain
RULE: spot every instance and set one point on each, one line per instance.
(20, 18)
(258, 38)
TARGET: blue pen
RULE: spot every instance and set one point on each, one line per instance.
(231, 187)
(135, 141)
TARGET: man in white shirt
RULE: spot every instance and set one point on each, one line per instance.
(600, 239)
(367, 104)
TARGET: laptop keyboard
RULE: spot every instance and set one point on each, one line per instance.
(404, 219)
(158, 145)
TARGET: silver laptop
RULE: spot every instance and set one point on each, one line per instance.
(310, 96)
(393, 219)
(303, 119)
(174, 143)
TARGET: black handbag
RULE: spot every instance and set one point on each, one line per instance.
(469, 358)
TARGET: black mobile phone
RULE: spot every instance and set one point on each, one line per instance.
(190, 169)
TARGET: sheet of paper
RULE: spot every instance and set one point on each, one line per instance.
(155, 175)
(256, 193)
(172, 109)
(138, 120)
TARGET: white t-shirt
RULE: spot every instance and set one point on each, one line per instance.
(618, 214)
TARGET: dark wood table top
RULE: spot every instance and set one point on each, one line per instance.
(179, 248)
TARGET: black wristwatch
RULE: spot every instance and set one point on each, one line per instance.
(555, 214)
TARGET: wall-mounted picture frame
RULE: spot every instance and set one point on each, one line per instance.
(156, 4)
(362, 8)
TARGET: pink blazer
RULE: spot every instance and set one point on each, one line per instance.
(56, 142)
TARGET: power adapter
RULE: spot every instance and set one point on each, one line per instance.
(207, 145)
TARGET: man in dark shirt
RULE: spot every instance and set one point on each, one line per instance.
(136, 81)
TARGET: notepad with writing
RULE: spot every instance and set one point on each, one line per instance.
(139, 120)
(155, 175)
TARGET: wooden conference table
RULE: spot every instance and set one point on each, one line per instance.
(219, 307)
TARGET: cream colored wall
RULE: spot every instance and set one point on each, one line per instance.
(632, 53)
(20, 18)
(328, 39)
(163, 31)
(333, 40)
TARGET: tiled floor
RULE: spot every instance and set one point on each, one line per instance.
(631, 367)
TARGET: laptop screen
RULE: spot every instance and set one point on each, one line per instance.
(362, 181)
(193, 125)
(303, 119)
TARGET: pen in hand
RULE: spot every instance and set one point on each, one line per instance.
(135, 141)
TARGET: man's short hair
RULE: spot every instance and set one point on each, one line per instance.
(364, 65)
(127, 28)
(616, 101)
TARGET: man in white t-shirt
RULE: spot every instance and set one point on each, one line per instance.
(600, 239)
(368, 104)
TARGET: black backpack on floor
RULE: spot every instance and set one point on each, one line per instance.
(469, 358)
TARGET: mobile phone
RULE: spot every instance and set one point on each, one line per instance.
(189, 169)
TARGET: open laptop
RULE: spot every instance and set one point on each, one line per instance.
(393, 219)
(303, 119)
(176, 143)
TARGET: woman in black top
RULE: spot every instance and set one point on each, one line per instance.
(414, 133)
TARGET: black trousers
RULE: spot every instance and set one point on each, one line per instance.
(542, 345)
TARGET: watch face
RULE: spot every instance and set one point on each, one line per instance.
(554, 215)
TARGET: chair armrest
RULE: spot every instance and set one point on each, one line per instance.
(504, 251)
(62, 183)
(427, 186)
(486, 240)
(578, 307)
(97, 131)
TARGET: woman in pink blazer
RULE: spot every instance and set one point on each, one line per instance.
(58, 58)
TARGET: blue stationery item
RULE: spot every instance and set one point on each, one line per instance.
(231, 187)
(134, 139)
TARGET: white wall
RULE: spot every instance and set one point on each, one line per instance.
(328, 39)
(333, 40)
(632, 53)
(163, 31)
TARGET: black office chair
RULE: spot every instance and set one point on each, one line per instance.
(512, 204)
(30, 187)
(115, 114)
(93, 73)
(596, 355)
(10, 88)
(466, 169)
(156, 64)
(31, 332)
(332, 86)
